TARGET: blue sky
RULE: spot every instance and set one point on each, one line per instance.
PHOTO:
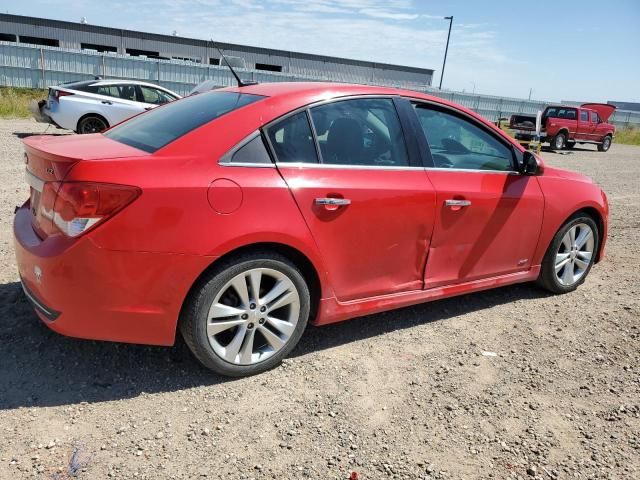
(569, 49)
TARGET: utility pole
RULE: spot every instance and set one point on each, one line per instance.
(530, 91)
(446, 49)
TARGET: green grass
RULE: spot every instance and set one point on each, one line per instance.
(628, 136)
(14, 102)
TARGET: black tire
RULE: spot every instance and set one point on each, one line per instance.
(605, 145)
(548, 279)
(559, 141)
(570, 145)
(194, 317)
(92, 124)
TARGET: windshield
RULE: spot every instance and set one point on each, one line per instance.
(161, 126)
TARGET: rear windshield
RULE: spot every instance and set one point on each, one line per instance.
(161, 126)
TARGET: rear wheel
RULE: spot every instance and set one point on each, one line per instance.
(557, 142)
(246, 315)
(570, 256)
(92, 124)
(605, 145)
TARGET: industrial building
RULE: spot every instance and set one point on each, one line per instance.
(91, 38)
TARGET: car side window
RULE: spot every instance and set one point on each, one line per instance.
(108, 90)
(360, 132)
(127, 92)
(594, 117)
(584, 116)
(154, 96)
(457, 143)
(253, 151)
(292, 140)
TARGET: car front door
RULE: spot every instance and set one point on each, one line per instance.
(153, 96)
(488, 217)
(364, 195)
(584, 126)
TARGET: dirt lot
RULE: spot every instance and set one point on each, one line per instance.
(405, 394)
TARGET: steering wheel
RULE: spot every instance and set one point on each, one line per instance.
(454, 146)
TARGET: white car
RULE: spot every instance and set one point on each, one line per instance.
(95, 105)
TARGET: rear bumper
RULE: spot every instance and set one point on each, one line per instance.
(40, 112)
(44, 311)
(81, 290)
(528, 135)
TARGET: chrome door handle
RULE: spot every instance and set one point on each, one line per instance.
(457, 203)
(333, 202)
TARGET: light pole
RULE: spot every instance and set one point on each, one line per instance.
(446, 49)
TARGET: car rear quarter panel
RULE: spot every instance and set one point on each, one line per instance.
(175, 206)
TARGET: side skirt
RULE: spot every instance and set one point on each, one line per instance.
(332, 311)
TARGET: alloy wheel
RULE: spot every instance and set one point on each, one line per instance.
(574, 254)
(253, 316)
(93, 125)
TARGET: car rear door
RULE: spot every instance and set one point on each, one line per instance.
(119, 102)
(362, 190)
(488, 217)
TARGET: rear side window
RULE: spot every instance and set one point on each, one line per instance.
(292, 140)
(560, 112)
(360, 132)
(161, 126)
(253, 151)
(584, 116)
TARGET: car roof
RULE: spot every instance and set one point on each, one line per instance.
(313, 88)
(306, 93)
(83, 83)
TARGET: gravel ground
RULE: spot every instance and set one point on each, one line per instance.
(404, 394)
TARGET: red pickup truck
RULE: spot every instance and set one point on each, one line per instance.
(563, 126)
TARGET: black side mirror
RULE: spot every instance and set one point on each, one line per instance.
(530, 164)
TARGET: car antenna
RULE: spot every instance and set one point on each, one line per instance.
(241, 83)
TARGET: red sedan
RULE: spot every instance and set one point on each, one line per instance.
(239, 215)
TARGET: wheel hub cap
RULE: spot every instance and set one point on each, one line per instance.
(253, 316)
(575, 254)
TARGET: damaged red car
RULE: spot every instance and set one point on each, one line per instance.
(240, 215)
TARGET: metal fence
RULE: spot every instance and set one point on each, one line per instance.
(39, 67)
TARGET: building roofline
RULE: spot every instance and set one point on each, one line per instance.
(203, 43)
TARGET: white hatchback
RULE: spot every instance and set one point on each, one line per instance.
(95, 105)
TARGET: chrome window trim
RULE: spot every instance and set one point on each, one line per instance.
(34, 181)
(342, 167)
(472, 170)
(248, 164)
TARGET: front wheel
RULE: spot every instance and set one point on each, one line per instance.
(246, 315)
(605, 145)
(570, 256)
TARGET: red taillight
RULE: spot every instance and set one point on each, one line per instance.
(79, 206)
(59, 93)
